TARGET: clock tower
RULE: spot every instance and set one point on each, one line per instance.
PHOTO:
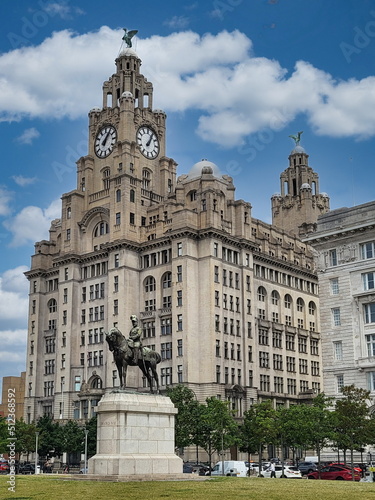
(126, 167)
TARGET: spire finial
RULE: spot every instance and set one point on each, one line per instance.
(297, 138)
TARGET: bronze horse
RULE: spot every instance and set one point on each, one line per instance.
(123, 357)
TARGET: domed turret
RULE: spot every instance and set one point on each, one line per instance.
(204, 167)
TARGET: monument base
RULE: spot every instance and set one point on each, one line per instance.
(135, 436)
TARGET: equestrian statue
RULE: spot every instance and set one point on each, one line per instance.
(130, 352)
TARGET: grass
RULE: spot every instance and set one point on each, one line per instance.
(49, 488)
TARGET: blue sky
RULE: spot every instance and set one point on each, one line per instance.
(235, 77)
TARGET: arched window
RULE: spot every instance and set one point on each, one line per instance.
(106, 176)
(97, 383)
(287, 301)
(132, 195)
(150, 284)
(275, 297)
(146, 179)
(118, 195)
(261, 294)
(68, 213)
(52, 305)
(312, 308)
(167, 280)
(300, 304)
(101, 228)
(193, 195)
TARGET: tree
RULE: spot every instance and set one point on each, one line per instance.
(294, 426)
(352, 421)
(259, 427)
(321, 423)
(50, 437)
(73, 438)
(4, 434)
(92, 427)
(26, 438)
(187, 418)
(217, 429)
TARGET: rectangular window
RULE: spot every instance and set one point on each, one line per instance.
(179, 347)
(314, 347)
(179, 249)
(218, 374)
(368, 250)
(264, 361)
(132, 218)
(333, 257)
(302, 344)
(336, 319)
(216, 274)
(179, 322)
(337, 350)
(278, 384)
(334, 284)
(315, 368)
(292, 386)
(369, 312)
(217, 323)
(339, 382)
(290, 364)
(263, 336)
(116, 260)
(118, 218)
(166, 350)
(115, 307)
(290, 342)
(264, 383)
(368, 281)
(370, 340)
(179, 273)
(303, 367)
(277, 362)
(166, 326)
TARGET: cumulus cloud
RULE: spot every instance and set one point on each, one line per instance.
(5, 199)
(14, 298)
(32, 223)
(62, 9)
(177, 22)
(28, 136)
(23, 181)
(235, 92)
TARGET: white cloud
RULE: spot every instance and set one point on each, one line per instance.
(14, 280)
(5, 198)
(32, 223)
(177, 22)
(62, 9)
(28, 136)
(14, 297)
(23, 181)
(215, 74)
(13, 337)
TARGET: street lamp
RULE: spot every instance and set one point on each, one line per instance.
(86, 433)
(36, 450)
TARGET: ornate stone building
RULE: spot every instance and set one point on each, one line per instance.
(345, 245)
(230, 302)
(297, 207)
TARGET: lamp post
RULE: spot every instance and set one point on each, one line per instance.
(86, 433)
(36, 450)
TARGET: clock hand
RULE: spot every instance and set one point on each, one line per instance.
(149, 141)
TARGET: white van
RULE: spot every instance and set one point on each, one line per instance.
(231, 468)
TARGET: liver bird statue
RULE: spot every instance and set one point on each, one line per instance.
(297, 138)
(128, 35)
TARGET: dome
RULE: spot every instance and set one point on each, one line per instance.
(204, 167)
(276, 195)
(325, 195)
(95, 110)
(128, 52)
(298, 149)
(127, 94)
(158, 111)
(305, 185)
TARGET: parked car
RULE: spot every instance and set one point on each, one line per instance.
(195, 468)
(27, 468)
(337, 472)
(290, 471)
(307, 467)
(4, 467)
(355, 467)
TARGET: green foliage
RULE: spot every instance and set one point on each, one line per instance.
(217, 429)
(26, 438)
(73, 437)
(50, 438)
(187, 418)
(3, 435)
(92, 427)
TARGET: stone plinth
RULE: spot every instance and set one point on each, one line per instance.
(135, 435)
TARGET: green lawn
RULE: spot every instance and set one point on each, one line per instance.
(48, 488)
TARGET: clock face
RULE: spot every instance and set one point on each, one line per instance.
(105, 140)
(148, 142)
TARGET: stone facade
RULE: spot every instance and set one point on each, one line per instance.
(297, 207)
(230, 302)
(345, 246)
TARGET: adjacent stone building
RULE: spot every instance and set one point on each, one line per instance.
(230, 302)
(345, 246)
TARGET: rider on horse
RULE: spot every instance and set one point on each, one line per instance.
(135, 339)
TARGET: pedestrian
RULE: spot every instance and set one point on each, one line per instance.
(272, 469)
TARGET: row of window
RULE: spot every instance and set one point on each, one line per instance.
(278, 363)
(366, 251)
(368, 314)
(368, 282)
(289, 280)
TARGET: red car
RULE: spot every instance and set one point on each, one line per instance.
(338, 472)
(346, 466)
